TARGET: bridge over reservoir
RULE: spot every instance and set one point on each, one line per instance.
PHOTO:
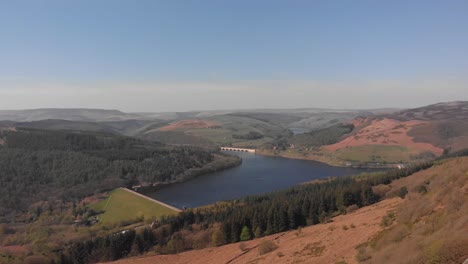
(238, 149)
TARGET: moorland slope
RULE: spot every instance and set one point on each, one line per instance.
(383, 140)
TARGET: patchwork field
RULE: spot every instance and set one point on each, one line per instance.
(121, 205)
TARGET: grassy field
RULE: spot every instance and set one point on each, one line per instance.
(120, 206)
(237, 125)
(376, 153)
(227, 127)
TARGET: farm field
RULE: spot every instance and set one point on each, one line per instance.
(121, 205)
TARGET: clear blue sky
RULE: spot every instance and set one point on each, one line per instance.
(76, 42)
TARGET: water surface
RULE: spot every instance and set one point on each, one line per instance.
(257, 174)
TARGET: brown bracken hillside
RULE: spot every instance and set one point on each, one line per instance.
(423, 133)
(325, 243)
(428, 225)
(431, 224)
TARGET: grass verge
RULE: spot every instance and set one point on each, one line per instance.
(121, 206)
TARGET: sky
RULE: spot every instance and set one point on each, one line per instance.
(151, 56)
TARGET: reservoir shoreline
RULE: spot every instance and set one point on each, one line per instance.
(257, 174)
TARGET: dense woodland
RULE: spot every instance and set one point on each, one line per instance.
(321, 137)
(316, 138)
(252, 135)
(244, 219)
(64, 165)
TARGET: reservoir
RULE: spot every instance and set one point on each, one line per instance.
(256, 175)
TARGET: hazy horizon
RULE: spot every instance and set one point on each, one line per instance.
(182, 97)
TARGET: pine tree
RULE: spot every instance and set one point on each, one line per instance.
(245, 235)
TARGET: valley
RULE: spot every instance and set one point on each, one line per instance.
(410, 228)
(293, 180)
(233, 132)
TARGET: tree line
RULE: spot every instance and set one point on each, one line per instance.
(247, 218)
(252, 135)
(325, 136)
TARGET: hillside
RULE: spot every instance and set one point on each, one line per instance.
(386, 140)
(391, 140)
(430, 129)
(70, 165)
(51, 182)
(428, 225)
(326, 243)
(203, 128)
(216, 130)
(125, 127)
(199, 128)
(369, 138)
(442, 111)
(241, 220)
(432, 221)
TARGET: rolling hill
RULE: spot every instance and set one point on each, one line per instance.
(70, 165)
(183, 128)
(378, 138)
(72, 114)
(125, 127)
(388, 139)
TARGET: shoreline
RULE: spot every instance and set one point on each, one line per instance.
(214, 166)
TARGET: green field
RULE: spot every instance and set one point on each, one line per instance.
(376, 153)
(121, 206)
(232, 125)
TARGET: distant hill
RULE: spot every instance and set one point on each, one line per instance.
(228, 128)
(381, 139)
(379, 135)
(129, 127)
(437, 112)
(229, 124)
(72, 114)
(59, 124)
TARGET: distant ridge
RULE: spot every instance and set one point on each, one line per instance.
(440, 111)
(103, 115)
(71, 114)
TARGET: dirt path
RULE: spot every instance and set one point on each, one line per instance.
(153, 200)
